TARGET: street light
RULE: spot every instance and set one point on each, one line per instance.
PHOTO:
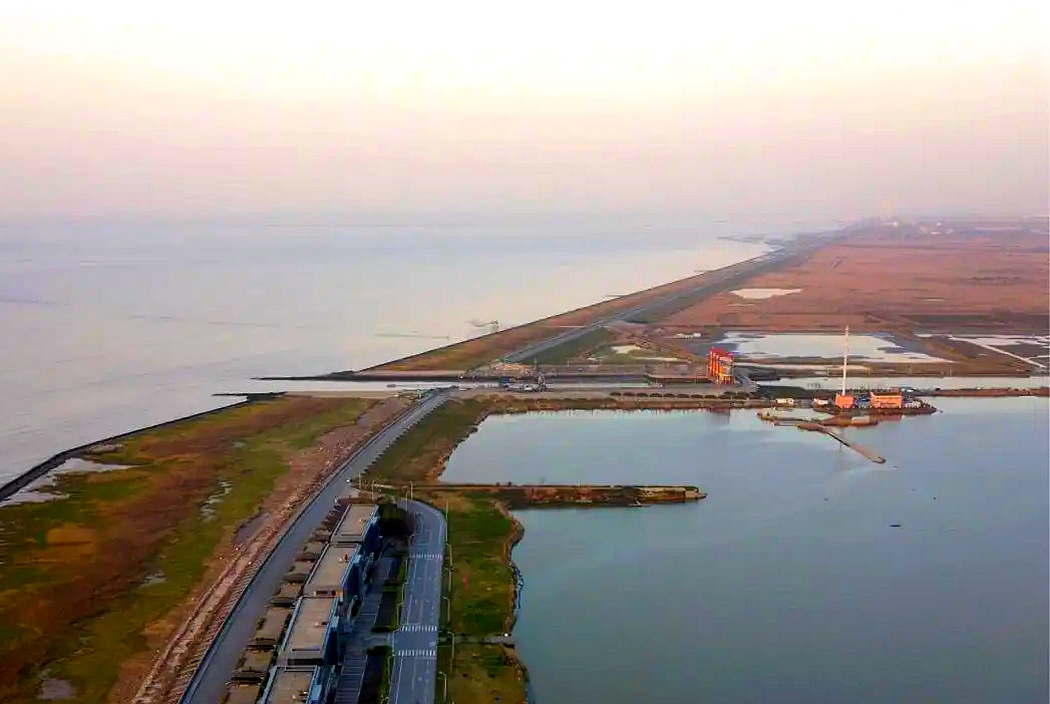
(448, 609)
(444, 686)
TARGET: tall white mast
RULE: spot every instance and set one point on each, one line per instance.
(845, 361)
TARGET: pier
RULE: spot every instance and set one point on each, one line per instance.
(855, 446)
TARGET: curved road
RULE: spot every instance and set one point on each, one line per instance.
(414, 675)
(209, 681)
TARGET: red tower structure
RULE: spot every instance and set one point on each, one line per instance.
(719, 366)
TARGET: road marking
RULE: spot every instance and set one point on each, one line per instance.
(418, 628)
(417, 653)
(429, 556)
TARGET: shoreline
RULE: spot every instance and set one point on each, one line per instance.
(651, 399)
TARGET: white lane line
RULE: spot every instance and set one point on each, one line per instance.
(418, 653)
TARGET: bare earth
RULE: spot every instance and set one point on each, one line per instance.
(888, 279)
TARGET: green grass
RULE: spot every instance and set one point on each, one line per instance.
(482, 580)
(573, 348)
(425, 444)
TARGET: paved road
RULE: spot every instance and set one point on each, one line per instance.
(209, 683)
(414, 676)
(757, 266)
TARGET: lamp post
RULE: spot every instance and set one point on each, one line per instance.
(444, 686)
(448, 609)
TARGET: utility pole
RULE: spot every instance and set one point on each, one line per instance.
(845, 361)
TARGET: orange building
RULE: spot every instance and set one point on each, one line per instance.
(719, 366)
(844, 400)
(887, 400)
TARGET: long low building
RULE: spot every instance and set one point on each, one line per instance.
(314, 635)
(271, 627)
(339, 574)
(359, 526)
(297, 685)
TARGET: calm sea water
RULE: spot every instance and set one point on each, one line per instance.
(788, 584)
(103, 329)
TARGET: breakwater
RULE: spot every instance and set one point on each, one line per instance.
(518, 496)
(37, 471)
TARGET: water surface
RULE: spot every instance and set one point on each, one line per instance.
(104, 329)
(788, 584)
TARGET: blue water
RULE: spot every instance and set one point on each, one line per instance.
(787, 584)
(103, 329)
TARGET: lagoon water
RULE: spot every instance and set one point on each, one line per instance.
(788, 583)
(104, 329)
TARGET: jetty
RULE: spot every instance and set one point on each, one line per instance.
(855, 446)
(517, 496)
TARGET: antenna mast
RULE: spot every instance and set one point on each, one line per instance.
(845, 361)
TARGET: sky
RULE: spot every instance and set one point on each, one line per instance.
(807, 110)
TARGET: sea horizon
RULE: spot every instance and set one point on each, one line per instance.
(114, 328)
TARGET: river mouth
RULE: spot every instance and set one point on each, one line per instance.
(808, 574)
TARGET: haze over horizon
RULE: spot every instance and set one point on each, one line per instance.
(820, 111)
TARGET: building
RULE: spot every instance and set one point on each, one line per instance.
(359, 526)
(719, 366)
(271, 627)
(242, 693)
(337, 575)
(881, 399)
(297, 685)
(314, 638)
(512, 369)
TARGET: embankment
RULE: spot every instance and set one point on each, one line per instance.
(519, 496)
(38, 471)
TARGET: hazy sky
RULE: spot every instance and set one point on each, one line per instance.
(799, 110)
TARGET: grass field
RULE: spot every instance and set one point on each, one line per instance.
(482, 593)
(482, 603)
(574, 348)
(481, 674)
(421, 450)
(87, 576)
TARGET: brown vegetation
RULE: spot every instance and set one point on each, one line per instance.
(898, 279)
(81, 580)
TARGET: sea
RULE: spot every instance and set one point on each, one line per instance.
(808, 575)
(107, 328)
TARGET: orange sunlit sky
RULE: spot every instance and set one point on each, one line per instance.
(811, 109)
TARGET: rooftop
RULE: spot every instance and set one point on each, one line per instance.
(289, 591)
(309, 624)
(256, 660)
(290, 685)
(352, 528)
(242, 693)
(331, 570)
(314, 547)
(272, 624)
